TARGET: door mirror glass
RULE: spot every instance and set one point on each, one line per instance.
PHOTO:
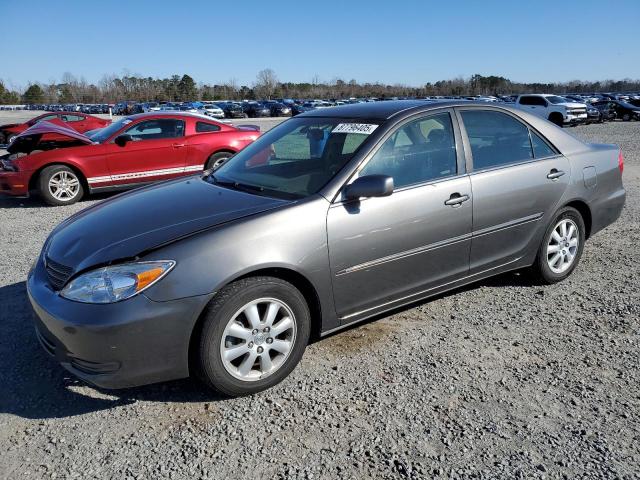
(369, 186)
(122, 140)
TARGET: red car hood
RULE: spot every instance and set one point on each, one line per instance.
(55, 128)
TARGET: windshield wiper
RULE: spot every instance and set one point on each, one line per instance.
(243, 187)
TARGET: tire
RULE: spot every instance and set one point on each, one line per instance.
(557, 119)
(216, 160)
(626, 117)
(543, 268)
(245, 373)
(67, 179)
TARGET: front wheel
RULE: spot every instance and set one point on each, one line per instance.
(557, 118)
(254, 334)
(59, 185)
(561, 247)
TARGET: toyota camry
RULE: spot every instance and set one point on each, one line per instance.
(332, 217)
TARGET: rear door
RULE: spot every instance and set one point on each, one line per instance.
(156, 152)
(517, 180)
(383, 250)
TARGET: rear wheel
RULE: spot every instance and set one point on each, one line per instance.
(60, 185)
(216, 160)
(561, 247)
(254, 334)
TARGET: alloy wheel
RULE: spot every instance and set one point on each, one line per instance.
(258, 339)
(64, 186)
(563, 245)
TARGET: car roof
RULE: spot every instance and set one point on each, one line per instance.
(384, 110)
(169, 113)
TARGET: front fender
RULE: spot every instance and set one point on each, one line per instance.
(292, 238)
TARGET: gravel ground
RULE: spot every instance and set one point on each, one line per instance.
(502, 379)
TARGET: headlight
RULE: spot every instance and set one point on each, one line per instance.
(117, 282)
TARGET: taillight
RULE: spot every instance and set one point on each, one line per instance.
(620, 162)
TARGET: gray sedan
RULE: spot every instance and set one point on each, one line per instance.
(330, 218)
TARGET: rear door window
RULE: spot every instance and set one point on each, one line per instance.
(496, 138)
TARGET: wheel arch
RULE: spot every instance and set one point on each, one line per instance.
(219, 150)
(583, 208)
(555, 115)
(36, 174)
(297, 279)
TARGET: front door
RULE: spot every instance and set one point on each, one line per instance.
(390, 249)
(156, 151)
(517, 182)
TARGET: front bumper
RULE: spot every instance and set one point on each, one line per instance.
(134, 342)
(14, 183)
(575, 119)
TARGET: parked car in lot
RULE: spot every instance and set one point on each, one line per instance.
(232, 110)
(554, 108)
(297, 109)
(80, 122)
(330, 218)
(135, 150)
(256, 109)
(624, 111)
(212, 111)
(608, 113)
(594, 115)
(278, 109)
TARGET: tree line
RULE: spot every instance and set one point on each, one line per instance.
(113, 88)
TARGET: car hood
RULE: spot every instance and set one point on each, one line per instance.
(573, 104)
(25, 141)
(139, 221)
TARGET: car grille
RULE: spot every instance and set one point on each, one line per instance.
(58, 274)
(578, 111)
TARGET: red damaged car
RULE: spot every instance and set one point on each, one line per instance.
(63, 165)
(81, 122)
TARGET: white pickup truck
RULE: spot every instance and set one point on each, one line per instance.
(554, 108)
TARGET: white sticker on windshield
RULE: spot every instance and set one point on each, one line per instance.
(363, 128)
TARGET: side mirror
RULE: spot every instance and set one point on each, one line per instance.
(369, 186)
(121, 140)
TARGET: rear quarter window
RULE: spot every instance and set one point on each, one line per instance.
(204, 127)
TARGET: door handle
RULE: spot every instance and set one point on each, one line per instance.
(455, 200)
(555, 173)
(178, 145)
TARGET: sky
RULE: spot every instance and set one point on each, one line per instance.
(402, 42)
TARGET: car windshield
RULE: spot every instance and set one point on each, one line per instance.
(295, 159)
(103, 134)
(555, 99)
